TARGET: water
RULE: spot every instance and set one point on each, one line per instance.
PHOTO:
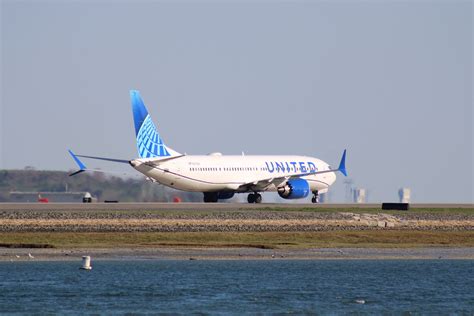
(236, 287)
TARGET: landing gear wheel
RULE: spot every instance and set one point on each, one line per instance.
(251, 198)
(315, 198)
(254, 198)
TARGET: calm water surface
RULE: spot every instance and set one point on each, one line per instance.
(221, 287)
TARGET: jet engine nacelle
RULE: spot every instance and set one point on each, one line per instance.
(224, 195)
(294, 189)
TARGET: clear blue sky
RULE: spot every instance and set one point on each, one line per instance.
(391, 81)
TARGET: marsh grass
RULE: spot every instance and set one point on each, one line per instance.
(327, 239)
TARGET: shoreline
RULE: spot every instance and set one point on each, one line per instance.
(203, 232)
(196, 253)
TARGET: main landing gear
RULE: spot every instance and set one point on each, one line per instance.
(210, 197)
(315, 198)
(254, 198)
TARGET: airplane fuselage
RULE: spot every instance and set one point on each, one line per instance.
(215, 172)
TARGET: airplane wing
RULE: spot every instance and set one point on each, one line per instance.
(82, 166)
(263, 184)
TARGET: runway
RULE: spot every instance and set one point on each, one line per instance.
(210, 206)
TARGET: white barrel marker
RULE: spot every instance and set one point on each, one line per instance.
(86, 263)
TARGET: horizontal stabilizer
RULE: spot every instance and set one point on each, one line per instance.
(82, 166)
(105, 158)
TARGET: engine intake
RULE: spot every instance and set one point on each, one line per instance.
(294, 189)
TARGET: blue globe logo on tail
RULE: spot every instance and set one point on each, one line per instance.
(149, 142)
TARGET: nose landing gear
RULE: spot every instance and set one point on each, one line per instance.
(254, 198)
(315, 198)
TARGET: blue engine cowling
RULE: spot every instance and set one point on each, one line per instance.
(294, 189)
(224, 195)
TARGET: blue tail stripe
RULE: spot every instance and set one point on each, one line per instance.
(139, 110)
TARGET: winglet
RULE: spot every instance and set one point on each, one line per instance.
(82, 167)
(342, 164)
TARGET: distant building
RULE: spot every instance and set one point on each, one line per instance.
(55, 197)
(405, 195)
(360, 195)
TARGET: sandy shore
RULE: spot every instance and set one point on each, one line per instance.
(181, 253)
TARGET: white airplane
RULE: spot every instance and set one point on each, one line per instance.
(220, 176)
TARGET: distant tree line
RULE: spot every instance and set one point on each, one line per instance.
(101, 186)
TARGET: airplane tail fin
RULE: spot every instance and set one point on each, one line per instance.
(149, 142)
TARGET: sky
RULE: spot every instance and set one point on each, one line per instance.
(391, 81)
